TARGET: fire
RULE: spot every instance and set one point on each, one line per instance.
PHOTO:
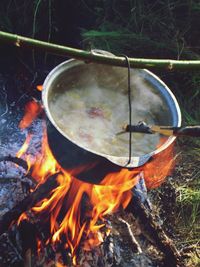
(45, 163)
(59, 265)
(24, 147)
(32, 110)
(64, 206)
(22, 217)
(161, 165)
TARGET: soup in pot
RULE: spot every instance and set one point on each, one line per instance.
(91, 111)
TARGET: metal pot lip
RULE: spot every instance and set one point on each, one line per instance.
(121, 161)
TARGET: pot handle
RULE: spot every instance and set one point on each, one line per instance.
(135, 161)
(101, 52)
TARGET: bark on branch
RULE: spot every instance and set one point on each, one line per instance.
(23, 42)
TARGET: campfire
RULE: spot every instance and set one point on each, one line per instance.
(62, 221)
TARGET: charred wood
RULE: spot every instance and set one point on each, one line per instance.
(20, 162)
(9, 255)
(31, 200)
(112, 253)
(105, 255)
(153, 231)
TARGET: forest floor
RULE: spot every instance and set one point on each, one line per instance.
(178, 201)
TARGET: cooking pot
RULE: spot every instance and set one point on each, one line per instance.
(78, 75)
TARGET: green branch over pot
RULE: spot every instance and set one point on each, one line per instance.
(90, 56)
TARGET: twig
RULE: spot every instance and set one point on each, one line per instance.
(34, 27)
(22, 42)
(5, 100)
(133, 239)
(50, 24)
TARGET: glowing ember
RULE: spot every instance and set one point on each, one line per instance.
(63, 207)
(39, 87)
(59, 265)
(22, 217)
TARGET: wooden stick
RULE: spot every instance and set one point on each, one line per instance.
(31, 200)
(21, 162)
(154, 232)
(27, 258)
(135, 243)
(22, 42)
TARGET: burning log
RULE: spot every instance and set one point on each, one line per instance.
(111, 251)
(31, 200)
(106, 254)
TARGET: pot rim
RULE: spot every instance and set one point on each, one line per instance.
(136, 161)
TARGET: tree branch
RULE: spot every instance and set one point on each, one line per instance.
(23, 42)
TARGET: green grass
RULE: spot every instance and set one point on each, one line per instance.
(189, 201)
(194, 259)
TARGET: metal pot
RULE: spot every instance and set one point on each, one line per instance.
(71, 154)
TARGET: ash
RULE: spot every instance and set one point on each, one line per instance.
(14, 185)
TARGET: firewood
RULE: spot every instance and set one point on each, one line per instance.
(154, 233)
(9, 255)
(27, 203)
(20, 162)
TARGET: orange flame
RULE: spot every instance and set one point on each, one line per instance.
(32, 110)
(24, 147)
(161, 165)
(64, 205)
(21, 218)
(39, 246)
(58, 264)
(45, 164)
(39, 87)
(105, 199)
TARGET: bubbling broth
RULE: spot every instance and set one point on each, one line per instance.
(91, 114)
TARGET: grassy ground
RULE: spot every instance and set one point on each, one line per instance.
(178, 201)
